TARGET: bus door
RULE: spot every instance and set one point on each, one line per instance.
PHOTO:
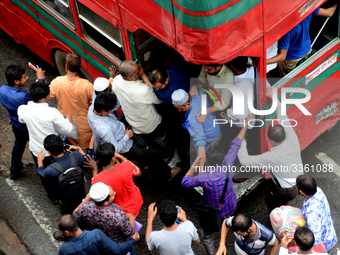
(318, 75)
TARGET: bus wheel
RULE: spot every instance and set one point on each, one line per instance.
(59, 59)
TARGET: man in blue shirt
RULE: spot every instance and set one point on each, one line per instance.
(89, 242)
(164, 83)
(207, 136)
(106, 128)
(296, 44)
(11, 97)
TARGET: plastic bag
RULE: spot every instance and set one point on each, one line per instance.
(284, 221)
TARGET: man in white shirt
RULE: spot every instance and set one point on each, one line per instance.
(40, 120)
(137, 100)
(283, 161)
(304, 239)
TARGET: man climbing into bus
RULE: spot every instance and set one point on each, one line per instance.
(165, 82)
(206, 136)
(137, 100)
(295, 46)
(212, 74)
(284, 158)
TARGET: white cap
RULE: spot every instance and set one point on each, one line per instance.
(179, 97)
(100, 84)
(99, 191)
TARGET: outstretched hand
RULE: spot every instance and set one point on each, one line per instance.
(152, 212)
(113, 72)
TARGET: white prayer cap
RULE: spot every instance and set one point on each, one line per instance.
(100, 84)
(179, 97)
(99, 191)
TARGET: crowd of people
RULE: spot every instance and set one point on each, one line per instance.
(133, 123)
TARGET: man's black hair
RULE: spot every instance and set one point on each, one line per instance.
(240, 63)
(54, 144)
(168, 213)
(276, 133)
(306, 184)
(73, 62)
(213, 65)
(105, 153)
(241, 222)
(67, 222)
(13, 73)
(39, 90)
(304, 238)
(158, 75)
(102, 202)
(104, 101)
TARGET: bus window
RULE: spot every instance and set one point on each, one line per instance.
(101, 32)
(61, 8)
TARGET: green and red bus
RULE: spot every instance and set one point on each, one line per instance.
(105, 32)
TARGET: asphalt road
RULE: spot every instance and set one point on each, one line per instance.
(26, 208)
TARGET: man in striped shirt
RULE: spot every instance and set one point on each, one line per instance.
(213, 180)
(251, 237)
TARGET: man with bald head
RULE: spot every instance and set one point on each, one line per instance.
(137, 100)
(283, 161)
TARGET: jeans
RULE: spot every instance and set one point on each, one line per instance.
(207, 240)
(21, 138)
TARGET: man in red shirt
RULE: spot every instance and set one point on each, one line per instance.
(120, 178)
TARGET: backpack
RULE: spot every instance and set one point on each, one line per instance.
(70, 185)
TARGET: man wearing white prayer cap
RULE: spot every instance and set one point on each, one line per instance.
(103, 214)
(206, 135)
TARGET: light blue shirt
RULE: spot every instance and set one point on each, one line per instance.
(202, 133)
(107, 129)
(319, 220)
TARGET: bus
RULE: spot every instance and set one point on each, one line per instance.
(106, 32)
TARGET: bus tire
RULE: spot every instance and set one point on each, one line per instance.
(59, 59)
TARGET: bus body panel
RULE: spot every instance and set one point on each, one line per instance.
(325, 92)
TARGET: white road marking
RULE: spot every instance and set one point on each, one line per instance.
(35, 210)
(328, 161)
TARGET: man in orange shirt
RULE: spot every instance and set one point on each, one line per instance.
(120, 178)
(74, 96)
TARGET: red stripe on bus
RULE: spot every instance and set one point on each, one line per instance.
(207, 13)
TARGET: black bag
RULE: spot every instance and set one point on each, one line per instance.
(209, 216)
(141, 141)
(70, 185)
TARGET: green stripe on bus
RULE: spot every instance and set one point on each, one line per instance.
(310, 86)
(77, 49)
(209, 22)
(202, 5)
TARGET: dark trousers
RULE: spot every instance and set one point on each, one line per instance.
(278, 196)
(178, 137)
(151, 157)
(50, 185)
(21, 138)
